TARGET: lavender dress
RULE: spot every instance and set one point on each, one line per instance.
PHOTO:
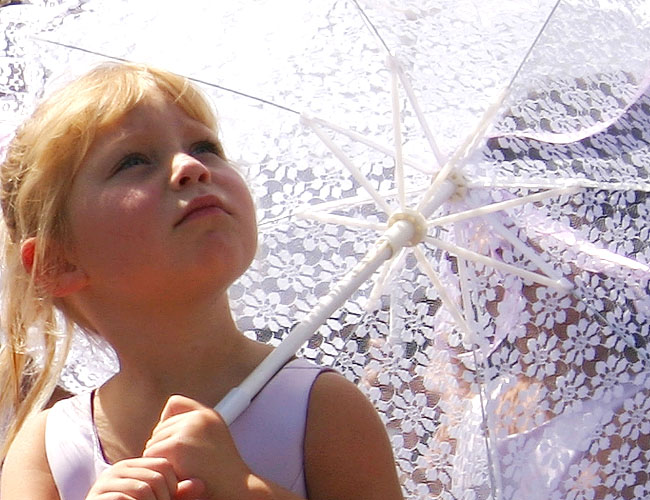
(269, 435)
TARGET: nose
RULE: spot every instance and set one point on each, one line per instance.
(187, 170)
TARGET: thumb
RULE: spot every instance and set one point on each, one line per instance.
(177, 405)
(190, 489)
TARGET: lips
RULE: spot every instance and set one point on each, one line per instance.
(200, 206)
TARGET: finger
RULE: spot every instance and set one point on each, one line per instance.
(173, 421)
(177, 405)
(124, 489)
(183, 430)
(153, 473)
(172, 415)
(165, 431)
(138, 490)
(180, 423)
(190, 489)
(160, 448)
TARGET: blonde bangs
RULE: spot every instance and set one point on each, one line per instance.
(63, 128)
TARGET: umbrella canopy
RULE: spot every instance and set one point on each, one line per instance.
(506, 350)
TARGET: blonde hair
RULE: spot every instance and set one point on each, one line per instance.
(36, 177)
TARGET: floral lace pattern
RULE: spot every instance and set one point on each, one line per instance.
(492, 385)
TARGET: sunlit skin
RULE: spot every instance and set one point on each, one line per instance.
(136, 182)
(161, 226)
(136, 185)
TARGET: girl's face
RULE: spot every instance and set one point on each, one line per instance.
(155, 210)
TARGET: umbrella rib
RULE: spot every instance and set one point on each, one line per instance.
(532, 45)
(386, 272)
(479, 373)
(499, 206)
(559, 183)
(397, 137)
(336, 204)
(524, 249)
(464, 293)
(442, 292)
(371, 25)
(341, 220)
(497, 264)
(603, 255)
(464, 150)
(472, 140)
(356, 173)
(197, 80)
(364, 140)
(343, 203)
(406, 84)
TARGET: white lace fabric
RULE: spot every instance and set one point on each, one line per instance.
(547, 396)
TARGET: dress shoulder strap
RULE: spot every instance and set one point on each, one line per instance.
(270, 433)
(72, 446)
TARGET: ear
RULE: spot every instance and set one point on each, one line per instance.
(67, 282)
(27, 251)
(62, 279)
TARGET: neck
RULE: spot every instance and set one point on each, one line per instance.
(195, 350)
(188, 347)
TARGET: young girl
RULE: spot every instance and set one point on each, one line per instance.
(122, 213)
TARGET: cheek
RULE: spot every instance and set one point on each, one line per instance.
(105, 220)
(237, 185)
(248, 210)
(241, 202)
(127, 211)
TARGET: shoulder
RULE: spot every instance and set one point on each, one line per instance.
(25, 472)
(347, 450)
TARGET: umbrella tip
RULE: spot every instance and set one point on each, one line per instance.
(565, 285)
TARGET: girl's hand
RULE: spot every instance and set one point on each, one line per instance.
(197, 443)
(144, 479)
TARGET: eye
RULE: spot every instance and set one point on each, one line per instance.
(207, 147)
(131, 160)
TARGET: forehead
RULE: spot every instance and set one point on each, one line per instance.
(155, 115)
(158, 109)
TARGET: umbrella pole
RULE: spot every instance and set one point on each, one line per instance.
(406, 229)
(238, 399)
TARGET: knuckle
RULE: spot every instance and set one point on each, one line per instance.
(143, 490)
(176, 399)
(155, 476)
(209, 417)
